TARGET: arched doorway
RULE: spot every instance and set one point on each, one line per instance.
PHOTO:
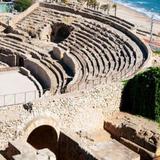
(60, 32)
(21, 62)
(44, 136)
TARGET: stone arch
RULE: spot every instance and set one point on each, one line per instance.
(21, 61)
(40, 121)
(41, 133)
(60, 32)
(43, 137)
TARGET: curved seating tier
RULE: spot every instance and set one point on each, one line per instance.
(102, 47)
(53, 69)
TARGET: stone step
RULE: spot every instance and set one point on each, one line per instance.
(100, 136)
(112, 150)
(18, 147)
(147, 155)
(43, 154)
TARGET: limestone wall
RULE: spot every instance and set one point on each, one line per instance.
(9, 59)
(69, 61)
(77, 111)
(139, 134)
(28, 74)
(71, 150)
(38, 72)
(67, 58)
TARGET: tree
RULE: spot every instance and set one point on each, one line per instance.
(115, 9)
(64, 1)
(105, 7)
(141, 94)
(21, 5)
(92, 3)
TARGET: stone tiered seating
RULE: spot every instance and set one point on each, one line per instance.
(102, 48)
(120, 54)
(20, 48)
(111, 18)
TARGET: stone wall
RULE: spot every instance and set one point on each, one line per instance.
(139, 134)
(65, 57)
(9, 59)
(84, 110)
(71, 150)
(69, 61)
(38, 72)
(27, 73)
(22, 15)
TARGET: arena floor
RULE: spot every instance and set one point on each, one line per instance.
(16, 88)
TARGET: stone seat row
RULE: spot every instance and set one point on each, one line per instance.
(131, 46)
(17, 48)
(99, 50)
(110, 17)
(121, 59)
(99, 47)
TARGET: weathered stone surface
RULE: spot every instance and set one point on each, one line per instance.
(99, 50)
(139, 134)
(113, 150)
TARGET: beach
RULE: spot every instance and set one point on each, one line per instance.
(141, 20)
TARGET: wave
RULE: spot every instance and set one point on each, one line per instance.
(140, 9)
(142, 2)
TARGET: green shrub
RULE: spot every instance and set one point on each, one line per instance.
(141, 94)
(21, 5)
(157, 52)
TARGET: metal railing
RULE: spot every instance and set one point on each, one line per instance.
(18, 98)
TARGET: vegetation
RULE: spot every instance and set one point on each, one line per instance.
(141, 95)
(157, 52)
(92, 3)
(21, 5)
(105, 7)
(108, 6)
(115, 9)
(64, 1)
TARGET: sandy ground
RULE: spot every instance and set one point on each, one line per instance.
(16, 87)
(139, 19)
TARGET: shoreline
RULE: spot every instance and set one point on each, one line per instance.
(141, 10)
(141, 20)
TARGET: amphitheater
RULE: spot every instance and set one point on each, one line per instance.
(61, 68)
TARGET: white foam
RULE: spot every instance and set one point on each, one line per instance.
(142, 10)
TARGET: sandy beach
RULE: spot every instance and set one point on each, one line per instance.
(141, 20)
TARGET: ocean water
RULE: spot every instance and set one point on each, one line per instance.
(5, 7)
(148, 7)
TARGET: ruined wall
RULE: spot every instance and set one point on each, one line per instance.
(27, 73)
(38, 72)
(9, 59)
(71, 150)
(139, 134)
(77, 111)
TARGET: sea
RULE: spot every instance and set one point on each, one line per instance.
(148, 7)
